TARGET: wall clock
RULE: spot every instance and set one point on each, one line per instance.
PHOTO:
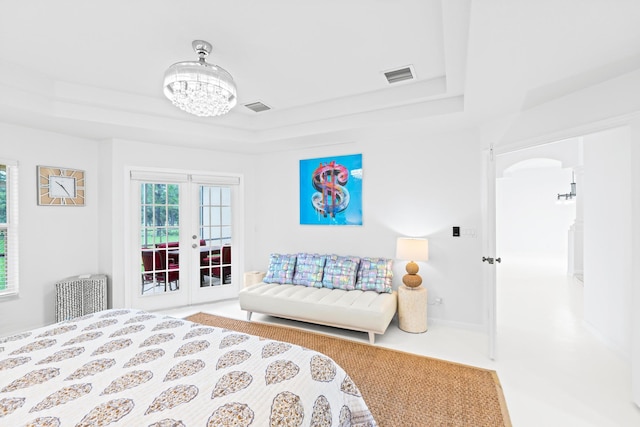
(60, 186)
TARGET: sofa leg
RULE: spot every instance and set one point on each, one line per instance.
(372, 338)
(249, 313)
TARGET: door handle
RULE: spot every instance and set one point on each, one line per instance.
(491, 260)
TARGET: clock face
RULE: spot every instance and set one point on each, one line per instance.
(60, 186)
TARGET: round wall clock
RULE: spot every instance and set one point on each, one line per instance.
(60, 186)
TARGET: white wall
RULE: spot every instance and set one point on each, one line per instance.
(121, 156)
(635, 261)
(414, 184)
(607, 236)
(55, 242)
(530, 222)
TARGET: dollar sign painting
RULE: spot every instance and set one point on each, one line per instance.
(331, 196)
(331, 190)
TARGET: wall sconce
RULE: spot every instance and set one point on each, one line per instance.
(413, 249)
(569, 196)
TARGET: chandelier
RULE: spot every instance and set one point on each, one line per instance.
(198, 87)
(568, 197)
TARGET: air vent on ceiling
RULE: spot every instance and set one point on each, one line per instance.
(399, 75)
(257, 106)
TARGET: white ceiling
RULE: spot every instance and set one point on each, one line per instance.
(95, 68)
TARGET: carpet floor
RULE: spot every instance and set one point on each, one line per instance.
(401, 389)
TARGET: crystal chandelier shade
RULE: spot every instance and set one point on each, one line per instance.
(198, 87)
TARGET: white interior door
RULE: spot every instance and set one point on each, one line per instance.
(489, 248)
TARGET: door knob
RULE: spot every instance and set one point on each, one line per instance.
(487, 259)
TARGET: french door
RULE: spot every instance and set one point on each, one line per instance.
(186, 247)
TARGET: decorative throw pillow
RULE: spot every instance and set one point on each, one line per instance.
(375, 274)
(388, 277)
(309, 268)
(281, 269)
(340, 272)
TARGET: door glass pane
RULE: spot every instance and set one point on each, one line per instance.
(225, 237)
(215, 233)
(226, 196)
(147, 193)
(160, 234)
(215, 195)
(205, 214)
(215, 216)
(226, 215)
(215, 229)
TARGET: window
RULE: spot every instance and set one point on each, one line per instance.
(8, 228)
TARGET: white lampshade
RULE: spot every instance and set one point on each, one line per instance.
(413, 249)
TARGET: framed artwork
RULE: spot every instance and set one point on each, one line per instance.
(60, 186)
(331, 190)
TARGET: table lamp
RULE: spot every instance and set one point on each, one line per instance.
(413, 249)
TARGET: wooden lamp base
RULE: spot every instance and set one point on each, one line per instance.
(412, 279)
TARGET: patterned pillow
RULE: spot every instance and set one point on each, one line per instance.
(309, 268)
(375, 274)
(281, 269)
(340, 272)
(388, 277)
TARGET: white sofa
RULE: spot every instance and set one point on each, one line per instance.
(365, 311)
(355, 309)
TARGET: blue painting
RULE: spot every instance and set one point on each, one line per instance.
(331, 190)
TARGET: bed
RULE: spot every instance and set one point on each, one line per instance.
(133, 368)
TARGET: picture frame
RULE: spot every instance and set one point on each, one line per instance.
(59, 186)
(331, 190)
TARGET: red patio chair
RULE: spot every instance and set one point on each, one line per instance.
(225, 277)
(213, 261)
(156, 270)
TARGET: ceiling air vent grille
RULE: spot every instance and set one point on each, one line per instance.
(257, 107)
(399, 75)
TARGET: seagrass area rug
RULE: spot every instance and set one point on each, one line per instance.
(401, 389)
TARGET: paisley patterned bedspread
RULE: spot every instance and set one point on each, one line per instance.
(132, 368)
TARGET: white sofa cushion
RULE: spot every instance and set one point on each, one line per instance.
(366, 311)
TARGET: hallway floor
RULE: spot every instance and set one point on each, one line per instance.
(552, 369)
